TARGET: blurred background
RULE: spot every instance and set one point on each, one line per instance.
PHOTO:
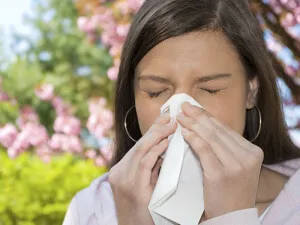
(59, 60)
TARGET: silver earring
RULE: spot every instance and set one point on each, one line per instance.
(259, 125)
(125, 124)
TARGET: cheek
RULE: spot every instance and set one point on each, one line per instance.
(231, 112)
(233, 118)
(147, 112)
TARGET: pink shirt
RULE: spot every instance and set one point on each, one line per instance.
(94, 205)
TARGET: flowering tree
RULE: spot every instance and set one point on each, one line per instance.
(41, 115)
(56, 97)
(108, 22)
(30, 135)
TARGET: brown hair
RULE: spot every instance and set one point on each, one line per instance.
(159, 20)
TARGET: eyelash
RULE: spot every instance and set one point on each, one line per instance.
(157, 94)
(213, 92)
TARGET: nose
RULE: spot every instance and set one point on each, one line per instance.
(185, 90)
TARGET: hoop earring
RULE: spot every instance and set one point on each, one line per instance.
(259, 125)
(125, 124)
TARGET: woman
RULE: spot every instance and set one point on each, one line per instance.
(212, 50)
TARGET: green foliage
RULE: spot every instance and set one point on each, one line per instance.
(35, 193)
(66, 59)
(9, 113)
(19, 81)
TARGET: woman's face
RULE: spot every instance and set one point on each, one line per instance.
(203, 65)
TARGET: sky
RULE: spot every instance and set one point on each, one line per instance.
(11, 16)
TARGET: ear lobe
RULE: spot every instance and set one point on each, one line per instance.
(252, 92)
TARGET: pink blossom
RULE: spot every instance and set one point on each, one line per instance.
(99, 124)
(44, 152)
(135, 5)
(37, 134)
(65, 143)
(289, 20)
(27, 114)
(60, 106)
(101, 19)
(290, 70)
(91, 153)
(96, 104)
(105, 39)
(122, 30)
(56, 141)
(274, 46)
(297, 14)
(100, 119)
(8, 134)
(12, 153)
(84, 24)
(276, 6)
(74, 144)
(107, 152)
(69, 125)
(99, 131)
(20, 144)
(290, 4)
(45, 92)
(112, 73)
(31, 135)
(100, 162)
(115, 50)
(295, 135)
(3, 96)
(123, 7)
(110, 38)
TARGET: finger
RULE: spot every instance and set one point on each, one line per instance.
(155, 172)
(226, 136)
(154, 136)
(209, 135)
(209, 162)
(147, 164)
(194, 112)
(246, 146)
(160, 130)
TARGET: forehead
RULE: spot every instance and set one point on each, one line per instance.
(202, 52)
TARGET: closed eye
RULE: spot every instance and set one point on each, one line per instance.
(213, 92)
(155, 94)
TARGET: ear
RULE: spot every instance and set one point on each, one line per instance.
(252, 91)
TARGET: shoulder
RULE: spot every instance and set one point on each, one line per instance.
(94, 203)
(292, 189)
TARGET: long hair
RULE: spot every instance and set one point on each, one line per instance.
(158, 20)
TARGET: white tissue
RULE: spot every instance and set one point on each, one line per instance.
(178, 194)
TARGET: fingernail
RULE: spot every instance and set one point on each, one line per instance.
(189, 105)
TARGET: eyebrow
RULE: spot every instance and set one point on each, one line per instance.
(154, 78)
(166, 80)
(212, 77)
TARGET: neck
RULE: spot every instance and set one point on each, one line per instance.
(270, 185)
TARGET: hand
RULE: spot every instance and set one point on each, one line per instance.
(133, 179)
(231, 164)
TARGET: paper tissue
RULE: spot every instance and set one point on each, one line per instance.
(178, 195)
